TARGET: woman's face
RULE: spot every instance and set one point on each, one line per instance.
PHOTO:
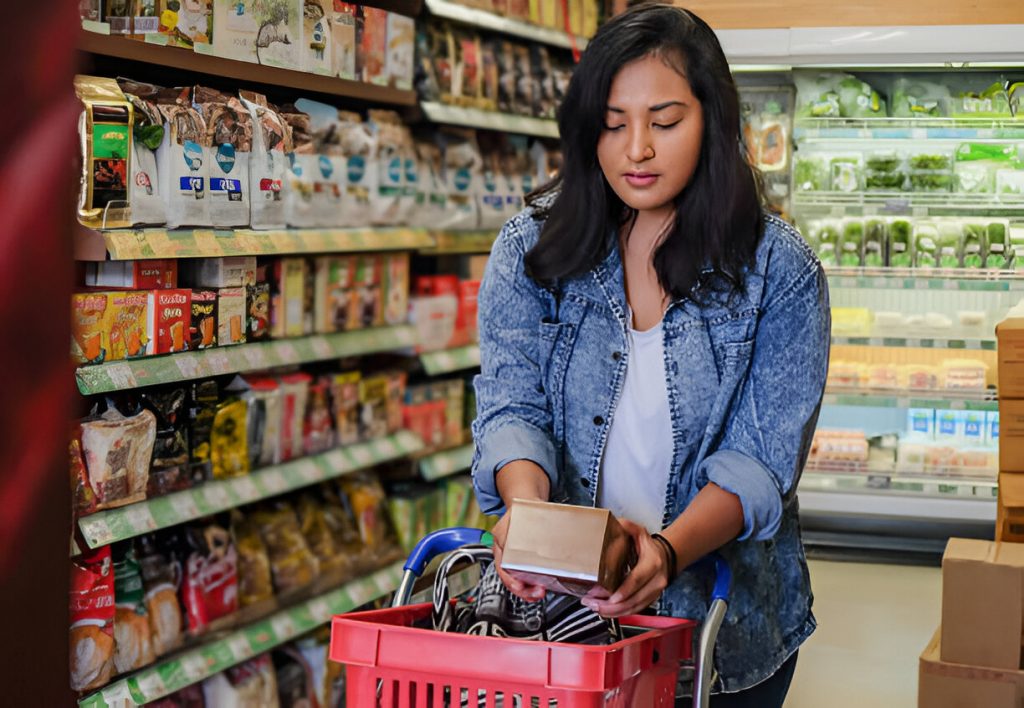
(653, 127)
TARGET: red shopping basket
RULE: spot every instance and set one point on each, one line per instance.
(392, 664)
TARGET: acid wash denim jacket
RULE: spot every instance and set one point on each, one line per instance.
(745, 382)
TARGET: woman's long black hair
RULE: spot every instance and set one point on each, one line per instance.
(718, 215)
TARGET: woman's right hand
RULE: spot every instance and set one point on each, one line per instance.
(526, 591)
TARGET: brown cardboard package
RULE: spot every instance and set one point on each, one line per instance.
(567, 549)
(943, 684)
(1011, 434)
(1010, 516)
(1010, 344)
(982, 603)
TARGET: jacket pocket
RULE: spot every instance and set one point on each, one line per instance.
(554, 342)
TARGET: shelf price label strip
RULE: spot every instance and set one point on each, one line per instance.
(131, 244)
(443, 464)
(202, 662)
(169, 368)
(111, 525)
(878, 400)
(914, 343)
(444, 362)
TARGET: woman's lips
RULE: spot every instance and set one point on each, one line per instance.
(641, 179)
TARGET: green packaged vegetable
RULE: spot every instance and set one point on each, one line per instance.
(974, 245)
(901, 253)
(884, 181)
(858, 100)
(875, 233)
(950, 244)
(977, 163)
(845, 173)
(827, 239)
(810, 174)
(885, 161)
(851, 247)
(998, 254)
(912, 98)
(926, 246)
(1015, 247)
(931, 181)
(930, 161)
(993, 102)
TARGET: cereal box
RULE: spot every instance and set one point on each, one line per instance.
(345, 404)
(230, 316)
(400, 58)
(153, 274)
(287, 298)
(203, 325)
(90, 342)
(257, 303)
(333, 292)
(317, 37)
(343, 39)
(128, 325)
(373, 47)
(396, 288)
(187, 23)
(259, 31)
(365, 306)
(171, 315)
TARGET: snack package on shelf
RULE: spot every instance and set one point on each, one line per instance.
(294, 392)
(190, 696)
(83, 499)
(105, 131)
(373, 407)
(203, 399)
(341, 524)
(90, 338)
(329, 173)
(318, 429)
(257, 306)
(169, 468)
(432, 188)
(170, 313)
(344, 17)
(117, 450)
(149, 274)
(161, 579)
(145, 197)
(317, 45)
(401, 51)
(296, 680)
(372, 46)
(231, 316)
(396, 288)
(265, 403)
(391, 202)
(229, 439)
(332, 277)
(359, 148)
(302, 166)
(462, 163)
(229, 136)
(133, 646)
(251, 683)
(203, 321)
(369, 507)
(287, 297)
(91, 614)
(335, 564)
(181, 159)
(188, 25)
(255, 585)
(209, 588)
(395, 400)
(366, 308)
(344, 389)
(128, 326)
(292, 564)
(271, 144)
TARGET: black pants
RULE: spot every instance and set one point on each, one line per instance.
(770, 693)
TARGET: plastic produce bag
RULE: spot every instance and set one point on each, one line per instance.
(913, 98)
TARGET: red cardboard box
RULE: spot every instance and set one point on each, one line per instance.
(171, 313)
(155, 274)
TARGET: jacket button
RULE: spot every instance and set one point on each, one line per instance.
(616, 356)
(598, 420)
(584, 481)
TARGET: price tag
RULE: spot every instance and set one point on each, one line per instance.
(139, 518)
(239, 646)
(274, 482)
(217, 496)
(194, 667)
(283, 626)
(385, 447)
(122, 376)
(361, 454)
(320, 610)
(286, 352)
(117, 694)
(188, 365)
(219, 362)
(255, 355)
(308, 471)
(919, 133)
(150, 684)
(336, 460)
(246, 489)
(322, 348)
(97, 531)
(184, 506)
(913, 343)
(876, 342)
(919, 211)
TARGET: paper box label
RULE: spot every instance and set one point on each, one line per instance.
(203, 326)
(128, 325)
(231, 316)
(89, 335)
(172, 313)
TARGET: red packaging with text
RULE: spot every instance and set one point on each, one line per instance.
(91, 605)
(171, 312)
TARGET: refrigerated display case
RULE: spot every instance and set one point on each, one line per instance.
(907, 178)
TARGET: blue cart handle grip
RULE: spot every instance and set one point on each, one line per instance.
(723, 575)
(439, 542)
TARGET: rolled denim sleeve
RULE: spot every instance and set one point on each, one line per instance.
(768, 436)
(513, 416)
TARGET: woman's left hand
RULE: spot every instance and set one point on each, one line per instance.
(644, 583)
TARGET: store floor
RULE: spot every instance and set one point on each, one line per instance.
(873, 623)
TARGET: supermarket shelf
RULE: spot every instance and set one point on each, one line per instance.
(496, 23)
(914, 343)
(186, 60)
(489, 120)
(908, 129)
(124, 522)
(946, 400)
(903, 507)
(959, 279)
(936, 485)
(449, 360)
(184, 366)
(914, 203)
(172, 674)
(460, 242)
(130, 244)
(446, 463)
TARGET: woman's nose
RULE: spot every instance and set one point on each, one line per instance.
(638, 148)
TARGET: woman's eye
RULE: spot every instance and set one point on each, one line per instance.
(666, 126)
(613, 128)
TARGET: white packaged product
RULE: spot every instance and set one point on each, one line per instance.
(317, 41)
(462, 163)
(491, 196)
(328, 172)
(359, 147)
(145, 201)
(431, 188)
(268, 163)
(391, 201)
(182, 161)
(229, 129)
(299, 178)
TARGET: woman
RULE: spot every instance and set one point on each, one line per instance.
(652, 342)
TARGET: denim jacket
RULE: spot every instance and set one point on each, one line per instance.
(745, 378)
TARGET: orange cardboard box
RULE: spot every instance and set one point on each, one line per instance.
(129, 326)
(90, 339)
(1011, 434)
(1010, 515)
(230, 316)
(1010, 352)
(943, 684)
(171, 312)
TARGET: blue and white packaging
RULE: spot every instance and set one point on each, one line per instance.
(973, 426)
(921, 424)
(229, 131)
(328, 169)
(182, 162)
(992, 428)
(948, 427)
(268, 162)
(359, 148)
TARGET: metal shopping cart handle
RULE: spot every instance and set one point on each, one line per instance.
(431, 546)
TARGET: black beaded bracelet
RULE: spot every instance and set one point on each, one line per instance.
(670, 551)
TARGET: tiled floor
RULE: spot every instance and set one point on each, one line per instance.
(873, 622)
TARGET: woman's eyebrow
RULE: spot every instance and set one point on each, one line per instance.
(652, 109)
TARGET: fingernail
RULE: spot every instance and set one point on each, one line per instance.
(615, 599)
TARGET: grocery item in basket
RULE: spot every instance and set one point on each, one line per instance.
(209, 589)
(295, 393)
(117, 451)
(254, 579)
(133, 647)
(91, 609)
(271, 143)
(105, 130)
(145, 196)
(229, 439)
(203, 322)
(318, 428)
(161, 578)
(169, 468)
(229, 130)
(359, 148)
(231, 316)
(343, 39)
(170, 312)
(182, 160)
(247, 685)
(345, 405)
(203, 399)
(292, 564)
(90, 338)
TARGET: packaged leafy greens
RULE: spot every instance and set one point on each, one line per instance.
(912, 98)
(931, 181)
(900, 245)
(950, 244)
(810, 174)
(836, 94)
(845, 173)
(827, 239)
(926, 245)
(930, 161)
(851, 246)
(976, 165)
(884, 181)
(875, 233)
(974, 244)
(1015, 245)
(993, 102)
(998, 254)
(883, 161)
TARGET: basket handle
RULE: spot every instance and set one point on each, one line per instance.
(442, 541)
(709, 629)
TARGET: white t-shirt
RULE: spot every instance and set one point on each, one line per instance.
(638, 453)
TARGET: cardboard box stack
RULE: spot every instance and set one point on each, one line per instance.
(1010, 336)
